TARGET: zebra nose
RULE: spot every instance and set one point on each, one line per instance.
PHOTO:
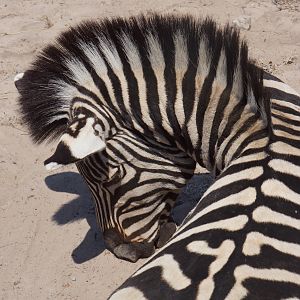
(62, 156)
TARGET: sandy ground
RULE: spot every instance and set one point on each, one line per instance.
(49, 244)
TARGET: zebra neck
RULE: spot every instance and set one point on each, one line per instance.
(243, 131)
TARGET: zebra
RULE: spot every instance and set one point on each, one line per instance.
(133, 184)
(242, 239)
(189, 85)
(134, 187)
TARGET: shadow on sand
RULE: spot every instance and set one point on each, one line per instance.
(81, 207)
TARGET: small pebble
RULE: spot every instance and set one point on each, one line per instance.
(242, 22)
(73, 278)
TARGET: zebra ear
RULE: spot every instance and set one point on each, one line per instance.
(76, 144)
(18, 81)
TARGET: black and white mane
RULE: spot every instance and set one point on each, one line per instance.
(168, 48)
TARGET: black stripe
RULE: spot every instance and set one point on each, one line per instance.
(281, 95)
(286, 109)
(286, 120)
(244, 128)
(188, 86)
(269, 76)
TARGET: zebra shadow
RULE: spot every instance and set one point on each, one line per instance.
(190, 196)
(81, 207)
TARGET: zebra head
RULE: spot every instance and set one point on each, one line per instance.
(84, 124)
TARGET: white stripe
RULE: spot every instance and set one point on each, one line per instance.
(237, 142)
(275, 188)
(277, 121)
(144, 221)
(56, 118)
(157, 61)
(244, 198)
(134, 60)
(281, 86)
(218, 87)
(284, 166)
(171, 272)
(245, 116)
(236, 94)
(263, 214)
(244, 272)
(81, 75)
(289, 116)
(18, 77)
(256, 144)
(99, 66)
(203, 66)
(181, 66)
(247, 174)
(283, 148)
(285, 134)
(231, 224)
(222, 254)
(255, 240)
(112, 56)
(287, 104)
(249, 158)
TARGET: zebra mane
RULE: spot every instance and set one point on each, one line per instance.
(79, 55)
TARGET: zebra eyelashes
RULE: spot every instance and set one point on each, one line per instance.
(82, 138)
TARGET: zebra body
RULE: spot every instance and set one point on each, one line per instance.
(187, 85)
(242, 240)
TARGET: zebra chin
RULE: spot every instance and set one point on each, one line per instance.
(122, 249)
(132, 251)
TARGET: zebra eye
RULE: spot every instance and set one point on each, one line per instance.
(80, 116)
(97, 129)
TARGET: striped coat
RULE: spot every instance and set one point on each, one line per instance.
(186, 85)
(242, 239)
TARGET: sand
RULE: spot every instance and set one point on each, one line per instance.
(49, 244)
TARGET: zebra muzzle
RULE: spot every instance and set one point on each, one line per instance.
(62, 156)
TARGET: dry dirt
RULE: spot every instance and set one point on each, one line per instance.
(49, 244)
